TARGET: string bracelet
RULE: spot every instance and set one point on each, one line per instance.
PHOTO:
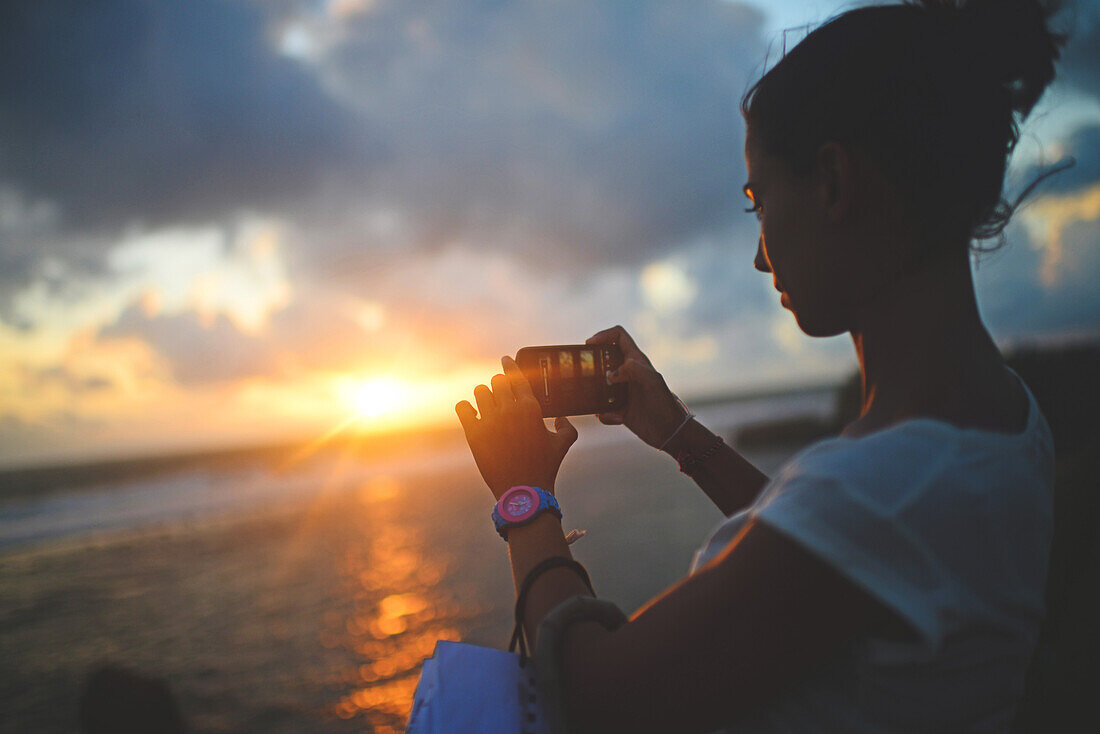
(518, 638)
(668, 440)
(689, 462)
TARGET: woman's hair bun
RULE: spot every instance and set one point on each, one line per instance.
(1007, 42)
(933, 90)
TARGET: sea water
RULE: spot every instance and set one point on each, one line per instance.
(304, 597)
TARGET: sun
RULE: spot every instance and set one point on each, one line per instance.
(376, 397)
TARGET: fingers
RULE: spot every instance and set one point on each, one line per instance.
(629, 371)
(616, 335)
(565, 431)
(466, 416)
(611, 418)
(601, 337)
(502, 391)
(501, 398)
(486, 403)
(607, 336)
(521, 388)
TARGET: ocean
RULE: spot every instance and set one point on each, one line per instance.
(301, 594)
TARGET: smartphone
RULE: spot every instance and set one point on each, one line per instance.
(571, 379)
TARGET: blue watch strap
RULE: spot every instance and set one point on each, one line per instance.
(547, 503)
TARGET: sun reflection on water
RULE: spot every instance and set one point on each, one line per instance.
(400, 611)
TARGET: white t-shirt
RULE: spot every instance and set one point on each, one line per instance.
(948, 527)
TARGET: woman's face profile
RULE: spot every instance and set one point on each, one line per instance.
(826, 259)
(789, 247)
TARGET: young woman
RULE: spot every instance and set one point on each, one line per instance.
(890, 579)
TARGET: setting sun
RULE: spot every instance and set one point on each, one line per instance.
(377, 397)
(391, 400)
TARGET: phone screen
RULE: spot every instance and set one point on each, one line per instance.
(571, 379)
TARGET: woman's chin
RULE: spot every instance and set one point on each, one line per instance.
(812, 324)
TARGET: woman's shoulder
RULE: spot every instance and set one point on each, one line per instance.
(1019, 425)
(999, 403)
(924, 500)
(930, 459)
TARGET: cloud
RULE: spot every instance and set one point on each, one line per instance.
(298, 191)
(1023, 293)
(436, 311)
(21, 438)
(1051, 217)
(197, 352)
(139, 110)
(71, 382)
(315, 333)
(574, 136)
(1081, 56)
(573, 133)
(1084, 146)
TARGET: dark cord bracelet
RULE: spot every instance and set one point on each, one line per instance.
(518, 638)
(689, 462)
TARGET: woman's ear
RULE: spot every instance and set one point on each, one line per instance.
(835, 179)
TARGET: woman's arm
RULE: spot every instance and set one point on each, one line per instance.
(703, 653)
(719, 643)
(653, 413)
(511, 446)
(707, 650)
(731, 482)
(529, 545)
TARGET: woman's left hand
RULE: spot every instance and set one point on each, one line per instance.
(509, 441)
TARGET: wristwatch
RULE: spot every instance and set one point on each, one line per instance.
(522, 504)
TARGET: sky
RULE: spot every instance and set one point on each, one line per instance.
(227, 222)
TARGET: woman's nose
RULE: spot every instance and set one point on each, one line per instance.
(761, 261)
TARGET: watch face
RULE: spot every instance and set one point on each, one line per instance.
(518, 503)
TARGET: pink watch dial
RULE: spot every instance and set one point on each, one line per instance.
(518, 504)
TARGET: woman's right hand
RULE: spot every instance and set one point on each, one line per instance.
(652, 412)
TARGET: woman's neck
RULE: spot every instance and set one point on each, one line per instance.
(923, 351)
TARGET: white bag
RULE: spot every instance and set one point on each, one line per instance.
(466, 689)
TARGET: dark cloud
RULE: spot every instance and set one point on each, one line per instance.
(729, 287)
(1016, 303)
(67, 269)
(573, 133)
(579, 138)
(1081, 56)
(1084, 146)
(135, 110)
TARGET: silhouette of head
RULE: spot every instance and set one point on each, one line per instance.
(915, 107)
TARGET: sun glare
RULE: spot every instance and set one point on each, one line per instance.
(377, 397)
(401, 398)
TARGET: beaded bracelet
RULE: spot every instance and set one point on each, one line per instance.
(689, 462)
(552, 562)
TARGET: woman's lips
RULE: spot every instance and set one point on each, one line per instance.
(784, 299)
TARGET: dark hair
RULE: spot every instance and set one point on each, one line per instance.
(931, 89)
